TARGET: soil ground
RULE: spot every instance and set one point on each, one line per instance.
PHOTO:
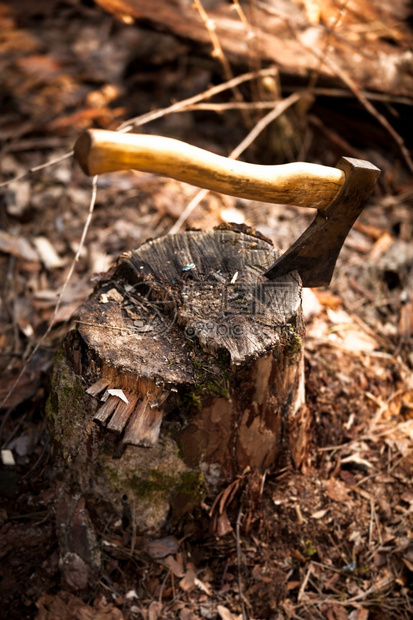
(333, 540)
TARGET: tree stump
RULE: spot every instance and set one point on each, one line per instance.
(185, 368)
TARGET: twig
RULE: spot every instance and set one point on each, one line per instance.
(304, 584)
(279, 109)
(259, 127)
(207, 94)
(245, 614)
(37, 144)
(342, 9)
(62, 290)
(383, 406)
(252, 39)
(370, 108)
(365, 102)
(379, 586)
(343, 92)
(51, 162)
(234, 105)
(218, 52)
(188, 210)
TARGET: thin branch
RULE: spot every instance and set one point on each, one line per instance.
(342, 10)
(252, 40)
(245, 614)
(248, 140)
(188, 210)
(62, 290)
(304, 583)
(234, 105)
(218, 52)
(51, 162)
(350, 83)
(279, 109)
(207, 94)
(372, 110)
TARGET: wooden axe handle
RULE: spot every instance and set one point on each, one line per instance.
(301, 184)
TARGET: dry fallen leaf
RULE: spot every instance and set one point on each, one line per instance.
(336, 490)
(162, 547)
(175, 565)
(48, 255)
(187, 583)
(17, 246)
(225, 613)
(319, 514)
(155, 610)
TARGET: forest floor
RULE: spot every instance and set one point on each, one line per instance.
(333, 540)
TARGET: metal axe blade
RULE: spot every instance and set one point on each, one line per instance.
(315, 252)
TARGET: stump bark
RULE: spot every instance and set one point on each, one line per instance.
(185, 368)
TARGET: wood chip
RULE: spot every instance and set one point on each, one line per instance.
(48, 255)
(98, 387)
(106, 410)
(144, 426)
(122, 414)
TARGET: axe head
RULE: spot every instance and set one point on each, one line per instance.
(315, 252)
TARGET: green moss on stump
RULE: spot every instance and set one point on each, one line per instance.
(154, 486)
(67, 408)
(295, 345)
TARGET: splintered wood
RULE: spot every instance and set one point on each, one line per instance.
(144, 426)
(141, 419)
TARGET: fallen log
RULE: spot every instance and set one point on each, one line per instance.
(366, 40)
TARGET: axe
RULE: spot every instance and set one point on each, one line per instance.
(337, 193)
